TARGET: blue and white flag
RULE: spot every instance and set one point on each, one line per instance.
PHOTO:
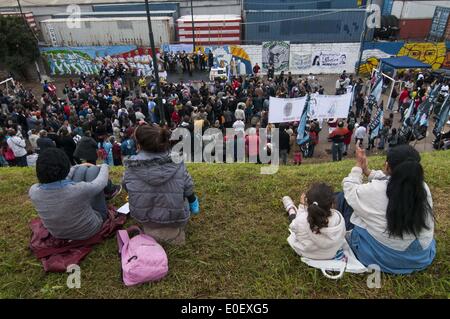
(375, 94)
(376, 124)
(423, 113)
(302, 135)
(408, 115)
(443, 117)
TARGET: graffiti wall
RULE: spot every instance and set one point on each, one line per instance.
(318, 58)
(436, 54)
(88, 60)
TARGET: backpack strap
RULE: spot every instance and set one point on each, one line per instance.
(122, 239)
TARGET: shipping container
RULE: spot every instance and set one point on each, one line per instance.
(210, 29)
(439, 24)
(414, 29)
(305, 26)
(299, 4)
(416, 9)
(106, 31)
(117, 14)
(139, 6)
(387, 7)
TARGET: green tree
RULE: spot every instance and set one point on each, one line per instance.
(18, 46)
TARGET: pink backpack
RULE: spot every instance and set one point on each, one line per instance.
(143, 259)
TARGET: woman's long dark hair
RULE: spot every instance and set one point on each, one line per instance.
(408, 207)
(320, 200)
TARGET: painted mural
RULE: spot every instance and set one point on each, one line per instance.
(230, 55)
(276, 53)
(435, 54)
(88, 60)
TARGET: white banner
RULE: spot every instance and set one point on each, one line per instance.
(329, 59)
(286, 110)
(330, 106)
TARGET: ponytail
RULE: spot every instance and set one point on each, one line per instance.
(319, 199)
(408, 207)
(317, 217)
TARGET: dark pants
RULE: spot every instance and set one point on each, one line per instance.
(88, 174)
(336, 150)
(21, 161)
(344, 208)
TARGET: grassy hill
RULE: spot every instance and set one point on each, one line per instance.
(236, 247)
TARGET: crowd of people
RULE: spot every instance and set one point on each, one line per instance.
(99, 119)
(94, 117)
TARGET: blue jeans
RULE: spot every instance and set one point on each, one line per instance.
(88, 174)
(344, 208)
(336, 150)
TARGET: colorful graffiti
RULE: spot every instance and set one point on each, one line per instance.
(430, 53)
(435, 54)
(225, 55)
(88, 60)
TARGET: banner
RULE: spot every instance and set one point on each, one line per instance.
(276, 53)
(300, 61)
(331, 59)
(286, 110)
(330, 106)
(177, 48)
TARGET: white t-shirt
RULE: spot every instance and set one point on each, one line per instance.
(360, 132)
(239, 126)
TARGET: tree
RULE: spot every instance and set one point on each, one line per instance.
(18, 46)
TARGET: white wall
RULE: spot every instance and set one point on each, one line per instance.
(417, 9)
(302, 57)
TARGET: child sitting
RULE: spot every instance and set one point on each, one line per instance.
(317, 230)
(161, 190)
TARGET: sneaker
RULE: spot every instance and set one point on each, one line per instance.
(117, 190)
(194, 207)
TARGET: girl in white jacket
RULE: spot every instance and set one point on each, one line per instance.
(317, 230)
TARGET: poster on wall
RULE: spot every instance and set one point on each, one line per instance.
(276, 53)
(285, 110)
(330, 106)
(300, 61)
(329, 59)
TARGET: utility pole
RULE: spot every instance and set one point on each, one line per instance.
(25, 21)
(155, 66)
(363, 36)
(193, 32)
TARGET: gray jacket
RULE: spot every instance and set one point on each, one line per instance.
(157, 188)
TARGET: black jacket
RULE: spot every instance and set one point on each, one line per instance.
(44, 142)
(86, 149)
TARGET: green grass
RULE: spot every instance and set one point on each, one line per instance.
(236, 247)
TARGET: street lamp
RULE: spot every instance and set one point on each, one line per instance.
(155, 66)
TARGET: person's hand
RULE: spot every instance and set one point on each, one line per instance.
(303, 199)
(361, 159)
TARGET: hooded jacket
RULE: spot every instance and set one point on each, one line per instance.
(320, 246)
(157, 187)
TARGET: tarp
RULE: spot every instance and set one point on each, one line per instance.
(404, 62)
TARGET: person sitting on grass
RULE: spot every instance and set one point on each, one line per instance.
(391, 215)
(71, 202)
(157, 186)
(317, 230)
